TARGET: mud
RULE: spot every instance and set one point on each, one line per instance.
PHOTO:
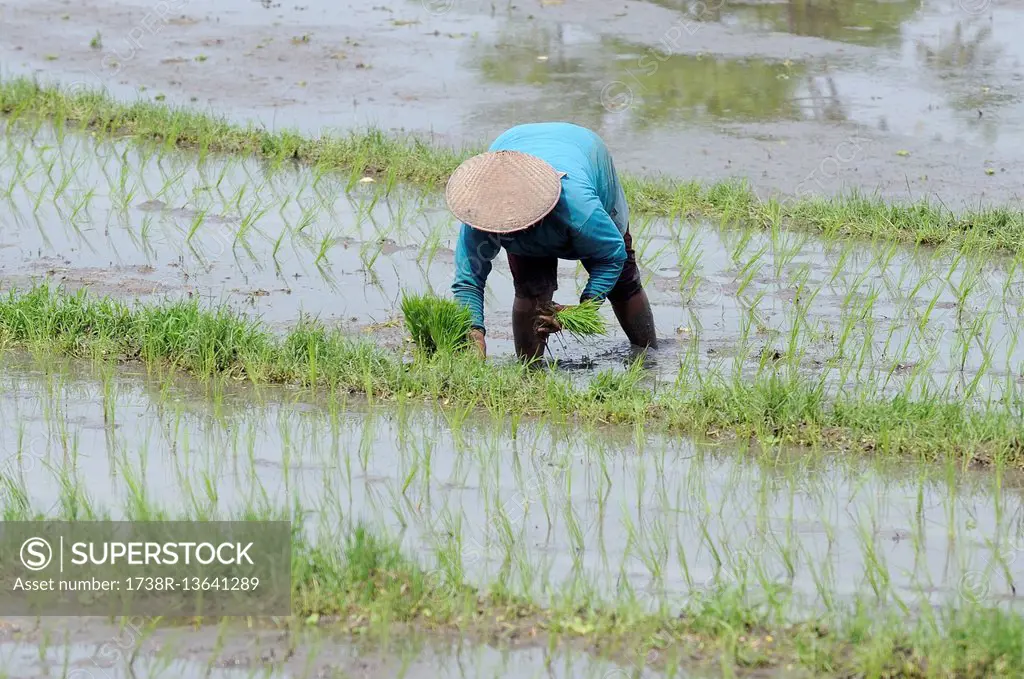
(94, 648)
(910, 98)
(666, 520)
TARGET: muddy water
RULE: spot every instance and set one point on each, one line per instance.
(621, 514)
(94, 649)
(280, 243)
(913, 97)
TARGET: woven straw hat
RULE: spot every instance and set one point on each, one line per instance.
(503, 191)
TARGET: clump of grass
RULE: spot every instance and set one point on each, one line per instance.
(582, 320)
(436, 324)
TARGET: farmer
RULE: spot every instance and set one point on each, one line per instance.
(544, 192)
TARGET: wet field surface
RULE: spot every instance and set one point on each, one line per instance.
(909, 98)
(281, 243)
(85, 648)
(617, 513)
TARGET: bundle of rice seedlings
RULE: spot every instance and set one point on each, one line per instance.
(582, 320)
(435, 323)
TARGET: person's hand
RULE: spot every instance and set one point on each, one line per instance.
(476, 335)
(546, 323)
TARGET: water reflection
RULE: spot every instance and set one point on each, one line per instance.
(572, 74)
(695, 88)
(964, 62)
(963, 47)
(861, 22)
(538, 55)
(562, 63)
(935, 70)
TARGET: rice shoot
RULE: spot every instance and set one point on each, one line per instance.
(581, 320)
(436, 324)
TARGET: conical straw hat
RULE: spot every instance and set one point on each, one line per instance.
(503, 191)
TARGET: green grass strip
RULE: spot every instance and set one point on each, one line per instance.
(372, 584)
(411, 159)
(772, 408)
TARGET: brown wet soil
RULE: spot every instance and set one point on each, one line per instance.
(95, 648)
(911, 98)
(116, 281)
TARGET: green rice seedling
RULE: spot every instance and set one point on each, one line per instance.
(235, 201)
(689, 256)
(38, 200)
(196, 223)
(370, 250)
(436, 324)
(277, 244)
(15, 177)
(751, 269)
(307, 218)
(65, 180)
(80, 205)
(641, 236)
(582, 320)
(390, 181)
(325, 244)
(170, 184)
(785, 247)
(284, 204)
(49, 165)
(249, 220)
(840, 264)
(739, 246)
(431, 245)
(400, 215)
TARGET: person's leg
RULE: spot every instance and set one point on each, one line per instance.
(629, 301)
(535, 280)
(637, 319)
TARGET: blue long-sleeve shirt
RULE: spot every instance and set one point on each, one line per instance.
(587, 223)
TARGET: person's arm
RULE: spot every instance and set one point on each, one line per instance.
(598, 239)
(473, 255)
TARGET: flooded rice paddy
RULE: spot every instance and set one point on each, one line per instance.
(929, 91)
(279, 242)
(599, 511)
(601, 515)
(910, 98)
(595, 514)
